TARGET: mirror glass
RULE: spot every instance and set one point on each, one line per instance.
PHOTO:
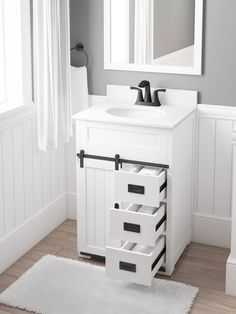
(160, 34)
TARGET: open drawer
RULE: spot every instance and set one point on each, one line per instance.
(134, 262)
(141, 185)
(138, 223)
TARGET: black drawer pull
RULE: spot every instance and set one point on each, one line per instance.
(163, 219)
(128, 267)
(158, 258)
(132, 227)
(137, 189)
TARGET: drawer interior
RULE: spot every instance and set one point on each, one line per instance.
(149, 251)
(145, 171)
(137, 248)
(141, 209)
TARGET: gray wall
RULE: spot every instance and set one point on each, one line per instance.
(173, 25)
(217, 85)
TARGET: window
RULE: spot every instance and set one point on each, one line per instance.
(15, 52)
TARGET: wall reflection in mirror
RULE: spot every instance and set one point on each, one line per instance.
(152, 32)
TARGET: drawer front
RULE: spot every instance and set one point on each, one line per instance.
(140, 189)
(105, 139)
(130, 224)
(131, 266)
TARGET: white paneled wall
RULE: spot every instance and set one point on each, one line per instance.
(214, 167)
(30, 179)
(31, 183)
(214, 174)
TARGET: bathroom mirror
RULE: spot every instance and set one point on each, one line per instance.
(163, 36)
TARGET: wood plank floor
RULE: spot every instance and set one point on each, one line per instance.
(202, 266)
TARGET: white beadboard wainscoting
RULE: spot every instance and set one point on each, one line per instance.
(230, 286)
(33, 199)
(212, 216)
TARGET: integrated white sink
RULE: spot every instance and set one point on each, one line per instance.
(137, 113)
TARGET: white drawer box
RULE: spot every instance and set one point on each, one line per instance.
(144, 186)
(134, 262)
(138, 224)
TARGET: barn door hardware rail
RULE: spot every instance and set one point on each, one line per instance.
(118, 161)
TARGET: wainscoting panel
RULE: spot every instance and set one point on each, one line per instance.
(212, 215)
(223, 168)
(206, 149)
(214, 166)
(29, 179)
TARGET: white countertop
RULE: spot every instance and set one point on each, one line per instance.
(174, 114)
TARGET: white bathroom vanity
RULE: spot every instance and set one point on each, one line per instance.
(135, 172)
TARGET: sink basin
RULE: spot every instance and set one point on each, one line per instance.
(137, 113)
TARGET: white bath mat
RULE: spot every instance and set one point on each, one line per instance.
(62, 286)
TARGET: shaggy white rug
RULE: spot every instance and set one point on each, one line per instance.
(57, 285)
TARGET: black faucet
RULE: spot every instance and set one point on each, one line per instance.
(146, 85)
(147, 101)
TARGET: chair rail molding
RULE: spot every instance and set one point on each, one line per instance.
(231, 263)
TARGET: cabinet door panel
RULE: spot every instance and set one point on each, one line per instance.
(95, 190)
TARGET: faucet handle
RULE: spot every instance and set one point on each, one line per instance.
(156, 96)
(140, 94)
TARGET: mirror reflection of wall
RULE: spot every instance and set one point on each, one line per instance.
(159, 32)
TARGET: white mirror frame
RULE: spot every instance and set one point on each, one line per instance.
(196, 69)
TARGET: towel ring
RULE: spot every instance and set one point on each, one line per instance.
(80, 47)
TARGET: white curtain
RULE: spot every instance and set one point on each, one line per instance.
(143, 37)
(52, 71)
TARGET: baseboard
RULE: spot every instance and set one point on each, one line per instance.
(231, 276)
(71, 206)
(22, 239)
(212, 230)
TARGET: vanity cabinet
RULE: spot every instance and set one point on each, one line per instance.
(139, 217)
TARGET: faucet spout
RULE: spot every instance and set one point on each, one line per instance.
(146, 85)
